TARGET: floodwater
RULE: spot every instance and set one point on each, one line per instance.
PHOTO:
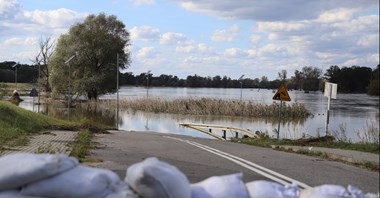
(350, 114)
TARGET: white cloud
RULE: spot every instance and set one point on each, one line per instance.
(31, 41)
(8, 9)
(146, 53)
(173, 38)
(12, 42)
(255, 39)
(235, 52)
(337, 15)
(142, 2)
(369, 40)
(145, 33)
(54, 18)
(195, 48)
(225, 35)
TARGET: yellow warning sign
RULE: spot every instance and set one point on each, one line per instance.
(282, 94)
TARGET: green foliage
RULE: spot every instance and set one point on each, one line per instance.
(325, 142)
(353, 79)
(81, 146)
(96, 43)
(16, 123)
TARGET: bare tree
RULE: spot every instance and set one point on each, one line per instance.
(282, 76)
(46, 50)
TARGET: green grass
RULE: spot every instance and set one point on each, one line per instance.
(82, 145)
(326, 142)
(17, 123)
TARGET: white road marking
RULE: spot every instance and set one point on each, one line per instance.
(277, 177)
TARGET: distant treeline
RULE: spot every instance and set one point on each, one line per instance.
(353, 79)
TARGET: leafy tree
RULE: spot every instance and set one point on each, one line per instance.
(332, 74)
(96, 43)
(311, 78)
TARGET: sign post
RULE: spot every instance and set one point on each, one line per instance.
(281, 95)
(330, 92)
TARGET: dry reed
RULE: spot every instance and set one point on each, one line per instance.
(217, 107)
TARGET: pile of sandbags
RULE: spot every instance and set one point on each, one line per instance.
(27, 175)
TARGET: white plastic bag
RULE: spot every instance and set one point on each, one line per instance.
(80, 181)
(153, 178)
(226, 186)
(19, 169)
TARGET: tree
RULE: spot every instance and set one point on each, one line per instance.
(311, 78)
(96, 43)
(333, 74)
(282, 76)
(46, 50)
(373, 87)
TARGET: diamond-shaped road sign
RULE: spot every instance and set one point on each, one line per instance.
(282, 94)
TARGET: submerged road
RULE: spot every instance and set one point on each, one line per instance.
(202, 158)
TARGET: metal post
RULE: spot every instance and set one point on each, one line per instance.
(147, 84)
(210, 130)
(236, 134)
(241, 91)
(117, 92)
(16, 77)
(279, 120)
(328, 111)
(224, 134)
(39, 87)
(69, 99)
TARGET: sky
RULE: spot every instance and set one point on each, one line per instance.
(230, 38)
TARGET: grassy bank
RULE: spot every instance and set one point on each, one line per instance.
(16, 123)
(208, 106)
(326, 142)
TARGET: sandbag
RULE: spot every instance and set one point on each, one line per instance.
(19, 169)
(13, 194)
(80, 181)
(263, 189)
(325, 191)
(152, 178)
(226, 186)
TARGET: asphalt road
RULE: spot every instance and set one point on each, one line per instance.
(202, 158)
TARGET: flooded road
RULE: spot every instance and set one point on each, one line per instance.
(350, 114)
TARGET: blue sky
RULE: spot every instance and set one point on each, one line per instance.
(225, 37)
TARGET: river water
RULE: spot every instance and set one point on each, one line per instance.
(350, 114)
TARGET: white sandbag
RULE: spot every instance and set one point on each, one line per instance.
(19, 169)
(226, 186)
(13, 194)
(325, 191)
(264, 189)
(153, 178)
(126, 193)
(80, 181)
(357, 193)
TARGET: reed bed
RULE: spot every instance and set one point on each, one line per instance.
(217, 107)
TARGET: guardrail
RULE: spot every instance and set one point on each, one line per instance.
(203, 128)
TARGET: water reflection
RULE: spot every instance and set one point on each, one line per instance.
(350, 110)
